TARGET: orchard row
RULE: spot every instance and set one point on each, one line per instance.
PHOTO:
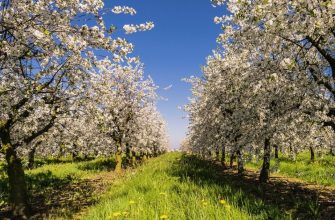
(269, 85)
(68, 85)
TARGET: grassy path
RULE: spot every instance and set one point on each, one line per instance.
(184, 187)
(163, 189)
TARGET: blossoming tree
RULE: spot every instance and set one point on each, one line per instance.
(273, 82)
(46, 57)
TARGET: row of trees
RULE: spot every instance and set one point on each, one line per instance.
(270, 85)
(58, 95)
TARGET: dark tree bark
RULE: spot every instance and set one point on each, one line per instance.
(118, 158)
(156, 154)
(223, 156)
(332, 151)
(240, 166)
(208, 154)
(312, 154)
(276, 151)
(217, 154)
(265, 172)
(18, 196)
(232, 158)
(31, 157)
(75, 156)
(128, 155)
(133, 158)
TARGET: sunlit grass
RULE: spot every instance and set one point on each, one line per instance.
(321, 171)
(84, 169)
(172, 186)
(165, 188)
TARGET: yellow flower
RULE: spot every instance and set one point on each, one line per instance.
(162, 193)
(132, 202)
(164, 217)
(222, 201)
(116, 214)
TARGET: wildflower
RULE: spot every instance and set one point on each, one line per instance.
(204, 203)
(116, 214)
(163, 217)
(223, 202)
(132, 202)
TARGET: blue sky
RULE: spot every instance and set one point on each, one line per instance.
(184, 35)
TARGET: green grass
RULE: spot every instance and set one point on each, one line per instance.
(178, 187)
(172, 186)
(321, 171)
(62, 185)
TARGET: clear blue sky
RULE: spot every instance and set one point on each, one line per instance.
(184, 35)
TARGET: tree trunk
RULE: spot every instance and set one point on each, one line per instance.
(61, 151)
(276, 151)
(133, 157)
(145, 156)
(312, 154)
(223, 156)
(155, 152)
(75, 156)
(232, 157)
(217, 155)
(118, 159)
(208, 155)
(31, 158)
(141, 156)
(240, 168)
(332, 151)
(18, 196)
(128, 155)
(265, 172)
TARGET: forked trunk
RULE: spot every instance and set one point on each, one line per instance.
(265, 172)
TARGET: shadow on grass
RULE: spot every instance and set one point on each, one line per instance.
(100, 165)
(53, 196)
(277, 199)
